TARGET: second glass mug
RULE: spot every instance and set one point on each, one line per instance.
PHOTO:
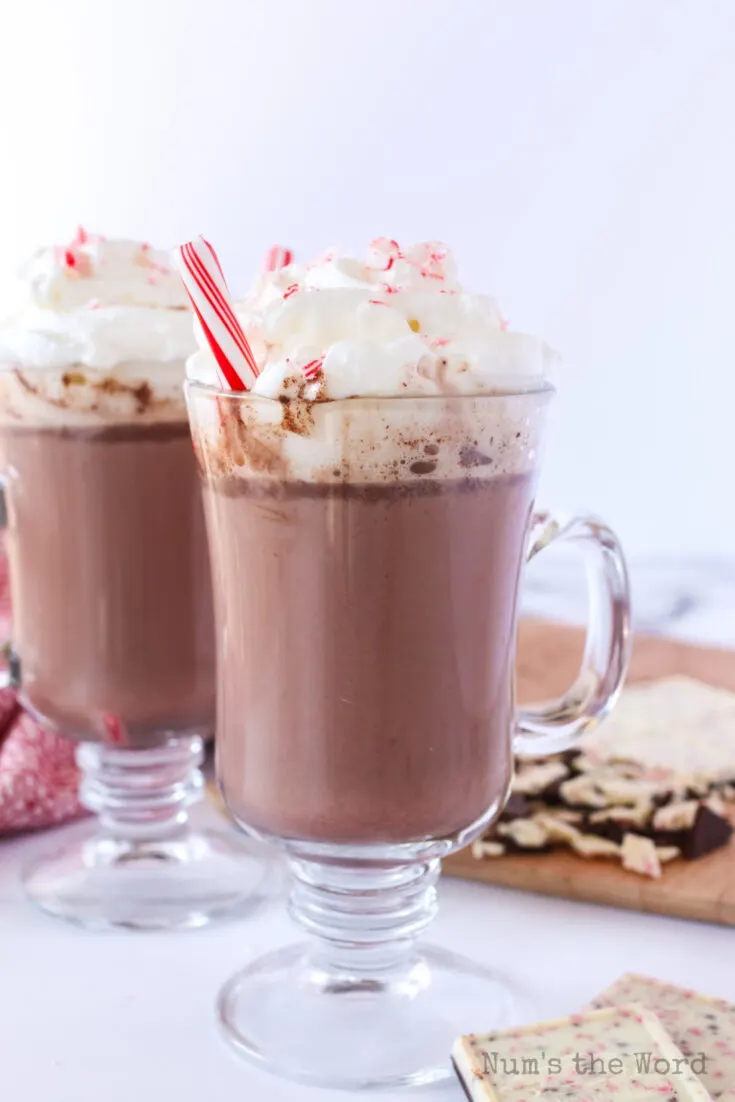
(366, 561)
(113, 643)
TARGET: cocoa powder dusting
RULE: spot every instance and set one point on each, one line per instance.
(28, 385)
(472, 457)
(25, 383)
(260, 457)
(73, 378)
(296, 415)
(87, 393)
(423, 466)
(143, 396)
(110, 385)
(142, 393)
(245, 444)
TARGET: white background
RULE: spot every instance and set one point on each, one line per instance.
(579, 156)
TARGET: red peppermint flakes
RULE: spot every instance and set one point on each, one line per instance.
(77, 264)
(382, 254)
(114, 730)
(433, 266)
(291, 290)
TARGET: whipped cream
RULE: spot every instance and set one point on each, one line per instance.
(397, 323)
(100, 304)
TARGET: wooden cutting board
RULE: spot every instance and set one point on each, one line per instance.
(704, 889)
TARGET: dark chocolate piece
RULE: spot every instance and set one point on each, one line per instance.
(511, 846)
(709, 832)
(551, 795)
(464, 1086)
(517, 807)
(611, 829)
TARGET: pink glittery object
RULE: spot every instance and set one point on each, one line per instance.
(38, 773)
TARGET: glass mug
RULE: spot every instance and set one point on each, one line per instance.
(366, 561)
(114, 641)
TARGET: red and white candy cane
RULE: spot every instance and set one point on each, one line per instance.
(312, 369)
(205, 285)
(277, 257)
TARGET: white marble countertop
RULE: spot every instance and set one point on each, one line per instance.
(690, 599)
(114, 1017)
(111, 1017)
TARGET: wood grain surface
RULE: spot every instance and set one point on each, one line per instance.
(704, 889)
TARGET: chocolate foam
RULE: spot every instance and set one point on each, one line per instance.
(87, 398)
(365, 441)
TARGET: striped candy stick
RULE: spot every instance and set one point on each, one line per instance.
(205, 285)
(312, 370)
(277, 257)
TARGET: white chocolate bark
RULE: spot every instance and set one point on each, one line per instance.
(639, 855)
(617, 1054)
(697, 1023)
(677, 724)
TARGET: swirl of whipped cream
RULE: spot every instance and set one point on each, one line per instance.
(99, 304)
(397, 323)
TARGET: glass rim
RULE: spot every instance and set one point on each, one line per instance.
(545, 391)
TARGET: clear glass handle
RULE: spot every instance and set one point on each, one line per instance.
(554, 726)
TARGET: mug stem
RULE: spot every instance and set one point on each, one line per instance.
(142, 795)
(142, 865)
(362, 921)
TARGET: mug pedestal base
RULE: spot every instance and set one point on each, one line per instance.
(352, 1031)
(141, 865)
(167, 884)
